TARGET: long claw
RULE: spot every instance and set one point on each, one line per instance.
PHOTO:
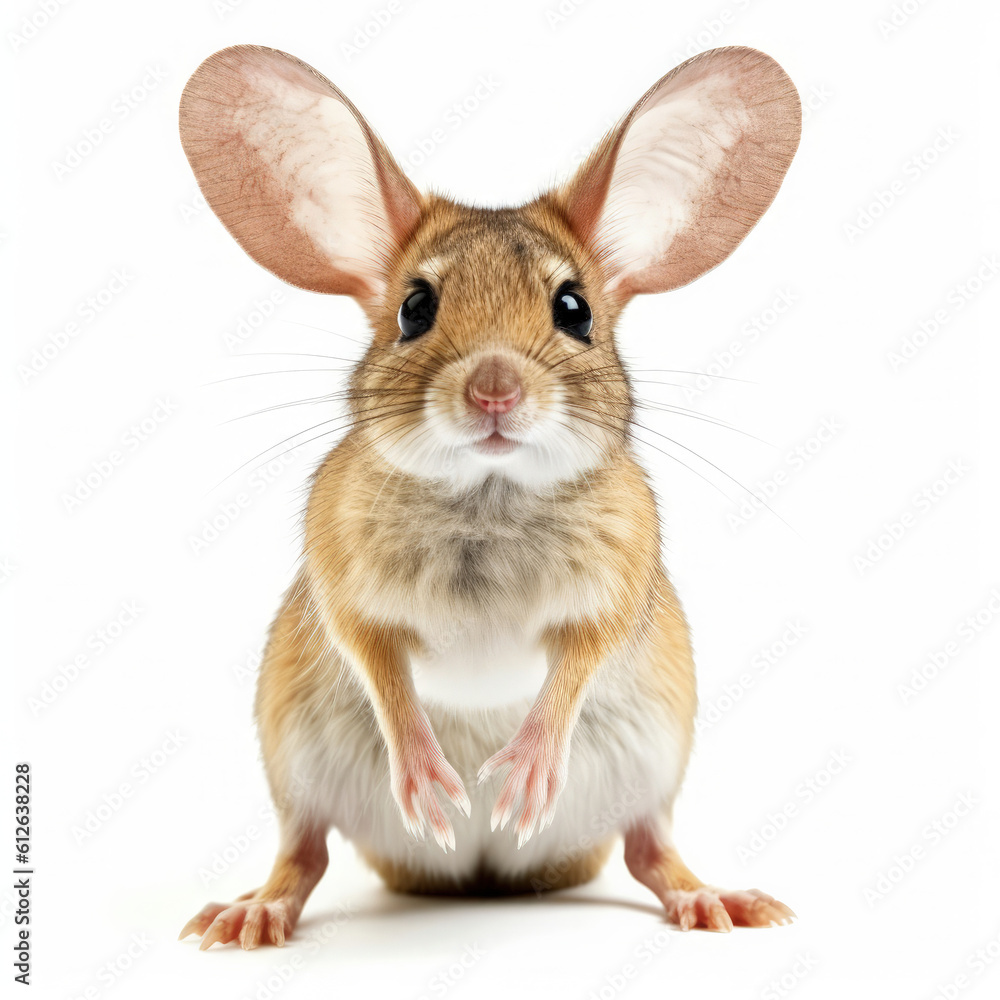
(532, 784)
(191, 927)
(201, 920)
(217, 932)
(507, 813)
(524, 835)
(416, 783)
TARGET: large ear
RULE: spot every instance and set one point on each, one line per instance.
(672, 190)
(294, 172)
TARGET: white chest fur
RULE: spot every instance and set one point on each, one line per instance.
(479, 668)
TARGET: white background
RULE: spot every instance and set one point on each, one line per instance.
(164, 709)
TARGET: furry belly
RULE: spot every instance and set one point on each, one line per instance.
(473, 671)
(626, 760)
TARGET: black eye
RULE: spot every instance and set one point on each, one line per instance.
(571, 313)
(416, 314)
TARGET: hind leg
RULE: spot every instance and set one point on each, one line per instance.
(268, 915)
(688, 902)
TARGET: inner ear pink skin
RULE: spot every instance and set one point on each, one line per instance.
(674, 189)
(295, 173)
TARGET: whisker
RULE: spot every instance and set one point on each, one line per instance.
(653, 381)
(708, 418)
(442, 332)
(354, 366)
(683, 371)
(707, 461)
(351, 420)
(588, 376)
(579, 354)
(281, 371)
(331, 397)
(662, 451)
(321, 329)
(358, 363)
(292, 354)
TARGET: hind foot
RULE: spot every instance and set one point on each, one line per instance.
(688, 902)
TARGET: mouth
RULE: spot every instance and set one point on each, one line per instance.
(495, 444)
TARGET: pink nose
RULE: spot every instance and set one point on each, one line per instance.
(492, 404)
(494, 386)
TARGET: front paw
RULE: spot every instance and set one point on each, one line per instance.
(413, 775)
(536, 776)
